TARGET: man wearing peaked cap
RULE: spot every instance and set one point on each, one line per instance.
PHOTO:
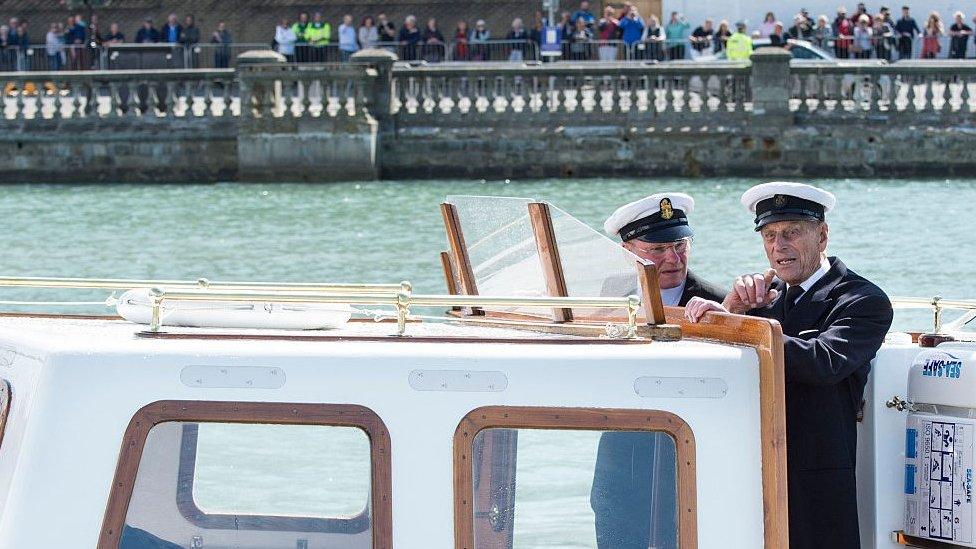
(656, 229)
(633, 495)
(834, 322)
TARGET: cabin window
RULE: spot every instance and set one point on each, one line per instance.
(575, 477)
(268, 475)
(4, 406)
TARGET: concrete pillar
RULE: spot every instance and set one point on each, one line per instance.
(256, 98)
(770, 82)
(380, 97)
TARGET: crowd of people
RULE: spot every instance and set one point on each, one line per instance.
(73, 44)
(618, 33)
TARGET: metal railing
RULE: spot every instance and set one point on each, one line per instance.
(494, 50)
(938, 305)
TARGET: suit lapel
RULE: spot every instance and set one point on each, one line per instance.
(691, 289)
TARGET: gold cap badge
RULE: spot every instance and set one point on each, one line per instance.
(667, 212)
(780, 200)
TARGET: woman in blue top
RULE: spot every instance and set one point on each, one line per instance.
(676, 33)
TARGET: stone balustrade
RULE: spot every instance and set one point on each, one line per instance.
(376, 117)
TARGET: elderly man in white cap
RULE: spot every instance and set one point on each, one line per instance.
(656, 228)
(634, 495)
(834, 322)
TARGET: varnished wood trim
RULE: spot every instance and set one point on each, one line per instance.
(450, 276)
(901, 538)
(766, 337)
(342, 415)
(650, 287)
(592, 419)
(548, 249)
(5, 403)
(459, 251)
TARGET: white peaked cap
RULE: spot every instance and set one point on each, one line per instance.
(763, 191)
(670, 228)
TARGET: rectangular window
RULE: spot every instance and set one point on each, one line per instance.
(574, 478)
(198, 474)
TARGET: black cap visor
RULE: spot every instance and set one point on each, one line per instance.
(670, 234)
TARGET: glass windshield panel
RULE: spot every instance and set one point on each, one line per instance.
(501, 246)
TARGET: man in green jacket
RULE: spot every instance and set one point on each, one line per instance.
(301, 44)
(739, 45)
(318, 35)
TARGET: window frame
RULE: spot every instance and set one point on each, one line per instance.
(584, 419)
(187, 411)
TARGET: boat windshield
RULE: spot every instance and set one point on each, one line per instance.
(505, 260)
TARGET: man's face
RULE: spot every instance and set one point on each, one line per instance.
(671, 259)
(794, 248)
(584, 5)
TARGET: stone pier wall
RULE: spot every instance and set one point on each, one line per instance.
(377, 119)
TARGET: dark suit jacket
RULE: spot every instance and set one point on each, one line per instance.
(830, 337)
(634, 469)
(698, 287)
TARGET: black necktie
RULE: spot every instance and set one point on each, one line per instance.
(792, 294)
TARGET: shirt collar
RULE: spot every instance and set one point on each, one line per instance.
(817, 275)
(671, 296)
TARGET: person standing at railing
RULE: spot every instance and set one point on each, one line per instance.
(386, 28)
(843, 32)
(583, 13)
(367, 34)
(822, 35)
(285, 39)
(801, 29)
(884, 36)
(777, 38)
(768, 24)
(461, 51)
(959, 33)
(409, 39)
(535, 33)
(517, 38)
(906, 29)
(651, 40)
(348, 41)
(221, 36)
(863, 37)
(934, 30)
(702, 37)
(147, 33)
(608, 30)
(191, 38)
(318, 34)
(739, 44)
(721, 39)
(479, 41)
(301, 43)
(173, 31)
(582, 40)
(54, 47)
(433, 42)
(114, 35)
(22, 42)
(8, 52)
(74, 38)
(677, 34)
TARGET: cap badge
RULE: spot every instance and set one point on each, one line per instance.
(780, 200)
(667, 212)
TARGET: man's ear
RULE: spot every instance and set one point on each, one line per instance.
(824, 230)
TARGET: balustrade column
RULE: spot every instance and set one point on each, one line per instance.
(770, 82)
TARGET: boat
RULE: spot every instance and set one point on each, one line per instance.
(469, 419)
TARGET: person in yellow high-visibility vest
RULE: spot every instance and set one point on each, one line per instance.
(318, 35)
(739, 45)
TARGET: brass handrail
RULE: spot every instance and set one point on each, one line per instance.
(937, 304)
(401, 301)
(203, 283)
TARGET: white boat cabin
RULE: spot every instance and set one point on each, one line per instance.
(209, 415)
